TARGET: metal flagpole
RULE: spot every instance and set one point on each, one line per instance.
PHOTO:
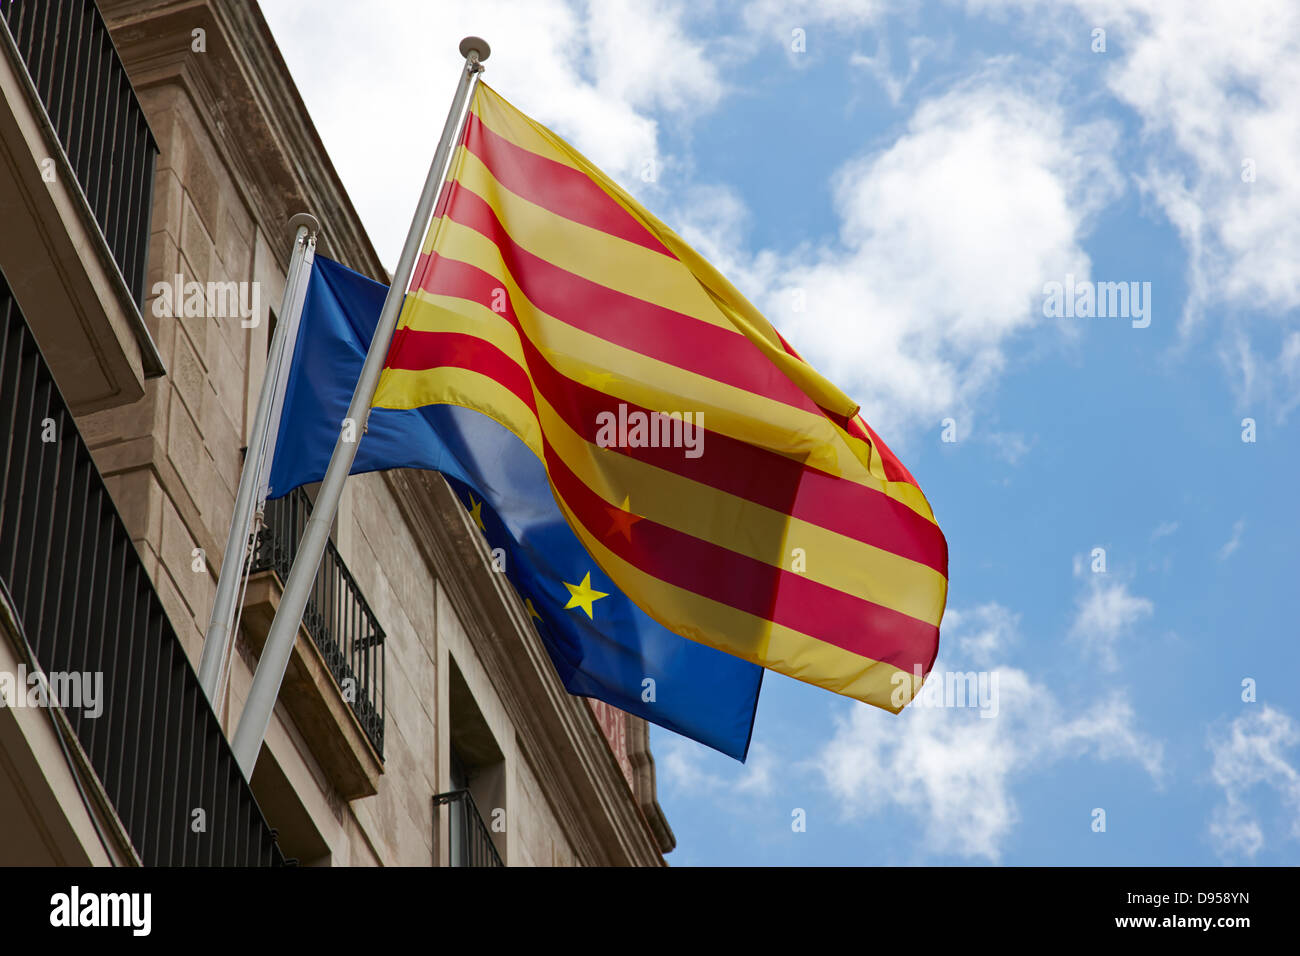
(217, 642)
(256, 717)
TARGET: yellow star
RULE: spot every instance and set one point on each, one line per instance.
(583, 596)
(476, 512)
(532, 611)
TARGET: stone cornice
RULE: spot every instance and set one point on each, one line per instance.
(643, 771)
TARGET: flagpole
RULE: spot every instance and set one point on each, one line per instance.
(221, 622)
(247, 743)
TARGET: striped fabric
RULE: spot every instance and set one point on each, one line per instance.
(550, 300)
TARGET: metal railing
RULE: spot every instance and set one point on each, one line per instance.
(471, 843)
(93, 109)
(337, 616)
(85, 606)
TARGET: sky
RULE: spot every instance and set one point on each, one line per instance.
(910, 191)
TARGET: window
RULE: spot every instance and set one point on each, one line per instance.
(475, 802)
(459, 832)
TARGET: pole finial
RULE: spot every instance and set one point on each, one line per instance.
(475, 45)
(304, 219)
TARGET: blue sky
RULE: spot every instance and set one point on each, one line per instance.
(914, 177)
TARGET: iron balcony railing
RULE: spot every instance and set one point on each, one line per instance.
(93, 109)
(85, 606)
(337, 616)
(471, 843)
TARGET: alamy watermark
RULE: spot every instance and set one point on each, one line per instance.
(948, 689)
(215, 300)
(81, 689)
(133, 911)
(638, 429)
(1085, 299)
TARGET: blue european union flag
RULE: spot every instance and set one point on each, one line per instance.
(602, 646)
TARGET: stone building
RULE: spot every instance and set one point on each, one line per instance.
(181, 149)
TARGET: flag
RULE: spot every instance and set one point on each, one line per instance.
(601, 644)
(714, 477)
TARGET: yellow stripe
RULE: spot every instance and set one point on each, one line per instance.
(403, 388)
(500, 117)
(426, 312)
(595, 255)
(697, 509)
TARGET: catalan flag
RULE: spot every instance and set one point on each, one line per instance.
(714, 477)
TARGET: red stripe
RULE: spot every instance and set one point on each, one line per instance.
(562, 189)
(728, 464)
(429, 350)
(657, 332)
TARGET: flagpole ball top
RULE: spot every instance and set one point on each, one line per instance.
(475, 45)
(304, 219)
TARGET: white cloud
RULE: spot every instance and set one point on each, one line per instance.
(950, 771)
(591, 72)
(1164, 529)
(1105, 613)
(981, 633)
(782, 16)
(1107, 729)
(1238, 100)
(941, 255)
(1216, 87)
(1233, 543)
(1266, 374)
(642, 55)
(954, 771)
(1250, 756)
(683, 763)
(1011, 447)
(880, 66)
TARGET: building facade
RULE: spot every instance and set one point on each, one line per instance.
(149, 145)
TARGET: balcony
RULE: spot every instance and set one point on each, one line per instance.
(471, 843)
(77, 164)
(76, 600)
(93, 110)
(334, 687)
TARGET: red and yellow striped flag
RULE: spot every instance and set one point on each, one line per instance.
(548, 299)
